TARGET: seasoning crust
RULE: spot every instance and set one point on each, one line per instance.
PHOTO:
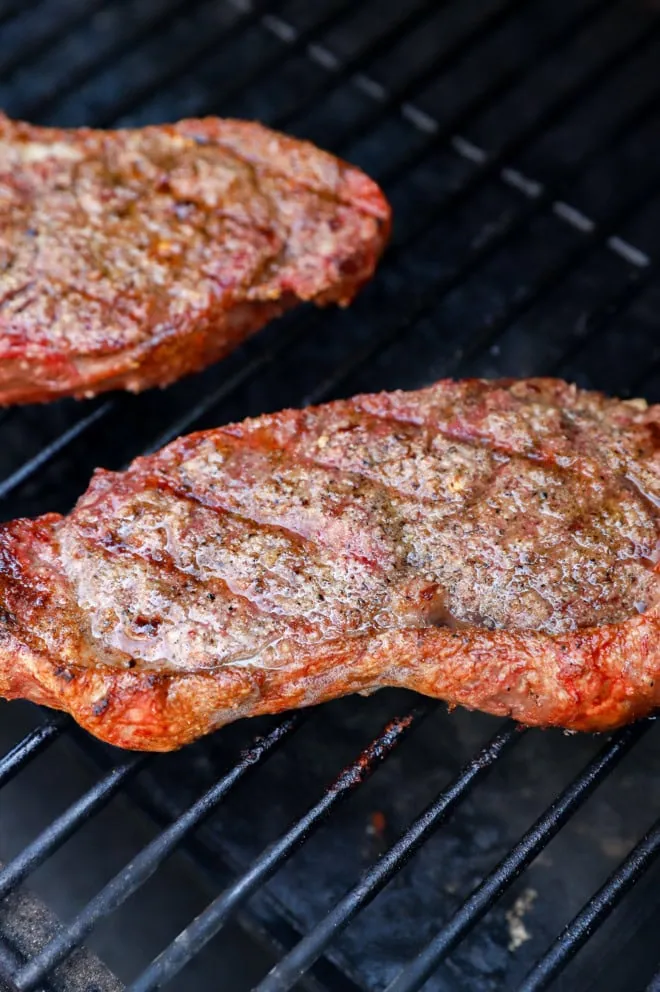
(131, 258)
(494, 544)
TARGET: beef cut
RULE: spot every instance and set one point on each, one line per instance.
(130, 258)
(494, 544)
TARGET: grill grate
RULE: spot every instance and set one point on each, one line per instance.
(517, 142)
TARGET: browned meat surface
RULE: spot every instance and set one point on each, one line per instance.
(130, 258)
(494, 544)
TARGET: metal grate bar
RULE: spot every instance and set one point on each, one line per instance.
(552, 278)
(31, 745)
(9, 964)
(148, 860)
(430, 297)
(267, 64)
(191, 940)
(415, 975)
(405, 93)
(80, 75)
(494, 165)
(178, 69)
(500, 87)
(11, 10)
(64, 826)
(594, 913)
(23, 56)
(526, 300)
(606, 312)
(350, 68)
(289, 970)
(56, 447)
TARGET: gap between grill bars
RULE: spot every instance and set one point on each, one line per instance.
(143, 865)
(530, 845)
(286, 973)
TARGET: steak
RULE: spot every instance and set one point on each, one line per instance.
(131, 258)
(494, 544)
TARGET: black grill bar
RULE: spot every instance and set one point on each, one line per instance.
(481, 102)
(493, 887)
(593, 913)
(616, 304)
(31, 745)
(290, 969)
(431, 296)
(396, 96)
(39, 45)
(9, 964)
(191, 940)
(78, 76)
(10, 10)
(180, 68)
(352, 67)
(269, 64)
(65, 825)
(148, 860)
(55, 448)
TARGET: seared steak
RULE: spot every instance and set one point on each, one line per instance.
(494, 544)
(130, 258)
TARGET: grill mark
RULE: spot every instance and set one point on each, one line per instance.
(479, 440)
(27, 601)
(279, 437)
(167, 484)
(119, 549)
(218, 500)
(263, 444)
(216, 586)
(302, 580)
(249, 618)
(341, 637)
(239, 439)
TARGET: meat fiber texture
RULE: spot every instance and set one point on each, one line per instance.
(131, 258)
(494, 544)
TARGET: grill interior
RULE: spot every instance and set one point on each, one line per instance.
(518, 143)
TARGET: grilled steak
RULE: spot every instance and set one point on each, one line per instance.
(130, 258)
(490, 543)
